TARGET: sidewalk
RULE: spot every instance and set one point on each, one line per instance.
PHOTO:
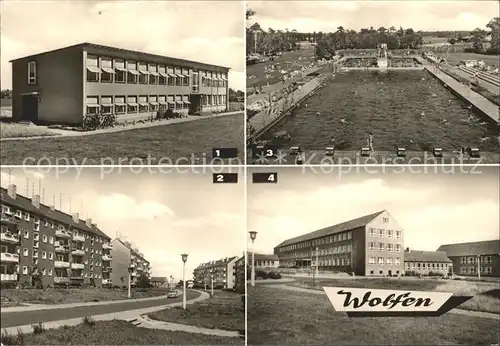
(34, 307)
(124, 315)
(68, 133)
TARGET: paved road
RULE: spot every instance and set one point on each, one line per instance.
(12, 319)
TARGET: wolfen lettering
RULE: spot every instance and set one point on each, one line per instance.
(390, 301)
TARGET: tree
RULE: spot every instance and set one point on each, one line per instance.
(494, 25)
(325, 49)
(478, 36)
(143, 281)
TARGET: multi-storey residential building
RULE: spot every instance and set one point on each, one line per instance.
(39, 240)
(63, 85)
(223, 272)
(469, 258)
(369, 245)
(427, 262)
(125, 258)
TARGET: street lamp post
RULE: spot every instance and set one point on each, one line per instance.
(253, 235)
(212, 281)
(130, 270)
(479, 266)
(184, 259)
(317, 272)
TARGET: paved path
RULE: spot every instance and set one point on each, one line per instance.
(454, 311)
(146, 322)
(120, 128)
(33, 307)
(480, 102)
(20, 318)
(488, 86)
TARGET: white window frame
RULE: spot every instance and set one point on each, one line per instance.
(32, 69)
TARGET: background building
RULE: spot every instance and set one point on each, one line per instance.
(38, 241)
(125, 257)
(224, 273)
(63, 85)
(369, 245)
(264, 261)
(427, 263)
(467, 258)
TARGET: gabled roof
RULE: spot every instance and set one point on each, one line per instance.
(218, 263)
(341, 227)
(426, 256)
(488, 247)
(87, 45)
(25, 204)
(131, 249)
(263, 257)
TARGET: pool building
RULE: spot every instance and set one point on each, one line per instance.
(63, 85)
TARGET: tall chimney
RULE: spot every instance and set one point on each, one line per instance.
(76, 218)
(35, 200)
(89, 223)
(12, 191)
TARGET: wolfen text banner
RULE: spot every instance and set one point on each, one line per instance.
(365, 302)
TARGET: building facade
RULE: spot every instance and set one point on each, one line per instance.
(63, 85)
(472, 259)
(127, 261)
(223, 271)
(40, 241)
(427, 263)
(264, 261)
(370, 245)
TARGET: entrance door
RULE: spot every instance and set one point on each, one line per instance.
(390, 273)
(30, 108)
(195, 106)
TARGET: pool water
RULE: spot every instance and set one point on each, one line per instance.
(400, 108)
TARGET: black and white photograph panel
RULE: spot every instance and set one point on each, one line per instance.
(123, 82)
(121, 257)
(354, 82)
(373, 257)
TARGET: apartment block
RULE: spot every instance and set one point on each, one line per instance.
(63, 85)
(38, 239)
(471, 259)
(223, 271)
(370, 245)
(125, 258)
(427, 263)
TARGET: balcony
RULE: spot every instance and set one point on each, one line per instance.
(77, 252)
(106, 258)
(106, 281)
(9, 257)
(79, 238)
(106, 269)
(77, 266)
(61, 248)
(61, 279)
(77, 277)
(11, 238)
(132, 265)
(8, 218)
(107, 246)
(8, 277)
(61, 264)
(133, 274)
(62, 233)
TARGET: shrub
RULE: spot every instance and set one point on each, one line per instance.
(411, 273)
(274, 275)
(38, 328)
(88, 321)
(98, 121)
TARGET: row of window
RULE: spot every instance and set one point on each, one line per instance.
(426, 265)
(472, 260)
(50, 255)
(335, 262)
(19, 214)
(49, 272)
(385, 247)
(260, 263)
(143, 104)
(384, 233)
(108, 70)
(322, 252)
(316, 242)
(384, 260)
(473, 270)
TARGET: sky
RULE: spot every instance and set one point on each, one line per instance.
(433, 208)
(326, 16)
(205, 31)
(163, 214)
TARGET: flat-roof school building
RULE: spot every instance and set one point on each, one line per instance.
(369, 245)
(63, 85)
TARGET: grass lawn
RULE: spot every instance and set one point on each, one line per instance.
(10, 130)
(114, 333)
(81, 295)
(168, 144)
(480, 302)
(455, 58)
(283, 317)
(288, 61)
(222, 311)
